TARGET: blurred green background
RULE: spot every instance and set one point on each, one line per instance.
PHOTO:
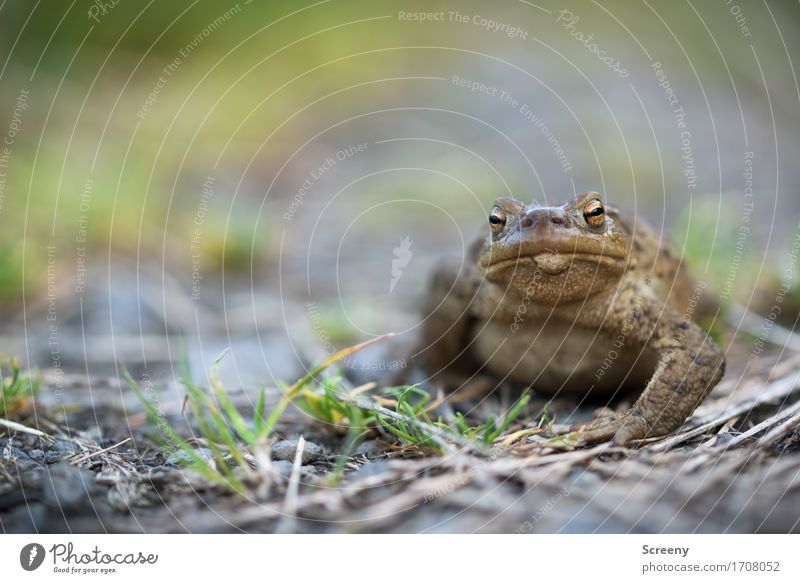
(230, 165)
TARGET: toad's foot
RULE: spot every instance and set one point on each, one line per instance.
(622, 427)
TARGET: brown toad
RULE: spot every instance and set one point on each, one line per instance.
(577, 300)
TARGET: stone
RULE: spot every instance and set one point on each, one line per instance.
(287, 449)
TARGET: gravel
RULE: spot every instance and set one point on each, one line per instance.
(287, 449)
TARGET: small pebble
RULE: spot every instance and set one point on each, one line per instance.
(370, 448)
(287, 449)
(51, 457)
(67, 486)
(181, 458)
(21, 459)
(37, 455)
(64, 447)
(282, 467)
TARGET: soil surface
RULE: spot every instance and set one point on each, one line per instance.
(733, 467)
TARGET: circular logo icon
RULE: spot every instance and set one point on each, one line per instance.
(31, 556)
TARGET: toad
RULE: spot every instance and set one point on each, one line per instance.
(578, 300)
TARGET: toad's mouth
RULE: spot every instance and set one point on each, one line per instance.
(551, 262)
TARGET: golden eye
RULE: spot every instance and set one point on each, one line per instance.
(594, 213)
(497, 219)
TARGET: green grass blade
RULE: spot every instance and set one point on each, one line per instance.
(509, 418)
(291, 393)
(258, 416)
(233, 414)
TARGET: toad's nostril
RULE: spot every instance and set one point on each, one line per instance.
(526, 222)
(556, 220)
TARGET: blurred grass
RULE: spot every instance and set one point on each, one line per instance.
(17, 391)
(146, 186)
(147, 183)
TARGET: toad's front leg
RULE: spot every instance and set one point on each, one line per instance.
(445, 330)
(689, 366)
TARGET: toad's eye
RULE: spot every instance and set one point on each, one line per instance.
(594, 213)
(497, 219)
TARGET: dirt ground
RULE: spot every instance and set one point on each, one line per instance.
(733, 467)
